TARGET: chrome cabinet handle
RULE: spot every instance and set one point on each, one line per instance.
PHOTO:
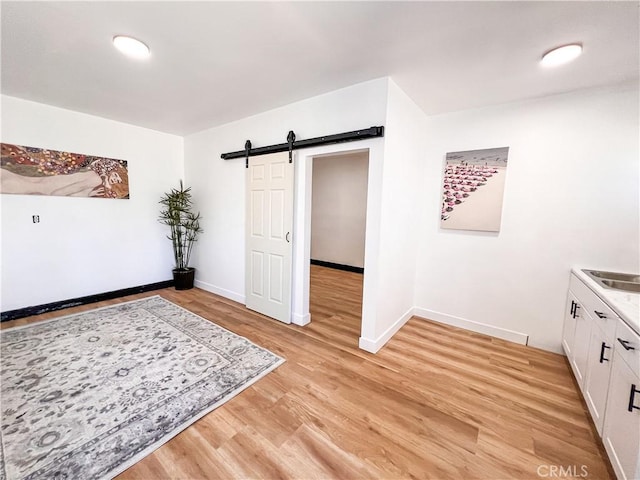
(625, 344)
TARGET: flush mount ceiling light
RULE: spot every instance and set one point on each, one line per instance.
(561, 55)
(131, 47)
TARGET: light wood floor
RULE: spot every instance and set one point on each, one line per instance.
(436, 402)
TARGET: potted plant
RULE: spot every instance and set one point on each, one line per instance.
(185, 227)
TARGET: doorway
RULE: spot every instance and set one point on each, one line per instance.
(338, 229)
(339, 210)
(302, 234)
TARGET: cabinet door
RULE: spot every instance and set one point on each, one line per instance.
(622, 421)
(569, 329)
(581, 347)
(598, 373)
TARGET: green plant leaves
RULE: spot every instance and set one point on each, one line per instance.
(183, 222)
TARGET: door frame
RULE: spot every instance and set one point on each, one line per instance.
(302, 229)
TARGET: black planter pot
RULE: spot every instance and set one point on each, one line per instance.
(183, 278)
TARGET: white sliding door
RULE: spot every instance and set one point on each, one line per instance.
(268, 235)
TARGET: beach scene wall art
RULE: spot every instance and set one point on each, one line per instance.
(473, 189)
(39, 171)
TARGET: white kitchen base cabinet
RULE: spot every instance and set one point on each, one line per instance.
(599, 370)
(569, 330)
(604, 353)
(576, 335)
(621, 434)
(581, 351)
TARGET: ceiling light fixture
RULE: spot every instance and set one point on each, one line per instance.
(561, 55)
(131, 47)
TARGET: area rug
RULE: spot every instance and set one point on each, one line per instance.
(87, 395)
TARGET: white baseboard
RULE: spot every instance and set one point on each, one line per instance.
(236, 297)
(490, 330)
(296, 318)
(555, 348)
(373, 346)
(300, 320)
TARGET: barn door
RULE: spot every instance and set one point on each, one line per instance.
(268, 235)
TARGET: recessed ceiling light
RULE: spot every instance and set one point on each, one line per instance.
(561, 55)
(131, 47)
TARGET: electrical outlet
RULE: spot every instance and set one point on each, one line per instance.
(36, 218)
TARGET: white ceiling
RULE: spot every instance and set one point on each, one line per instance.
(215, 62)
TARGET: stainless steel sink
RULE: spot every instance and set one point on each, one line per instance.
(625, 277)
(619, 281)
(618, 285)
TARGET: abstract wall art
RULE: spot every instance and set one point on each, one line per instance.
(39, 171)
(473, 189)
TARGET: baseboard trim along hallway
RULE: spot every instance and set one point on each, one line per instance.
(373, 345)
(492, 331)
(337, 266)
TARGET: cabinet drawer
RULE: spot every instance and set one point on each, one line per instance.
(578, 287)
(602, 315)
(628, 346)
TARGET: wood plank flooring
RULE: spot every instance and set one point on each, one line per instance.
(436, 402)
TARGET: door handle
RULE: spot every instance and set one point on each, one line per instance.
(286, 237)
(600, 314)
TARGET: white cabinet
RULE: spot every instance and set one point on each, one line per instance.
(576, 335)
(579, 362)
(598, 373)
(604, 354)
(621, 436)
(569, 330)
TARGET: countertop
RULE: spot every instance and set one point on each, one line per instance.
(625, 304)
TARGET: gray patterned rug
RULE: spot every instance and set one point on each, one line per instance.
(88, 395)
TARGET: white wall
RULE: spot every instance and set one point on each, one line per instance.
(85, 246)
(219, 185)
(395, 171)
(219, 188)
(339, 208)
(399, 207)
(571, 198)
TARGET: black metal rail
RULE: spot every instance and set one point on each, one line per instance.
(371, 132)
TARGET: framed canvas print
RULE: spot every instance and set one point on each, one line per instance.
(473, 189)
(39, 171)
